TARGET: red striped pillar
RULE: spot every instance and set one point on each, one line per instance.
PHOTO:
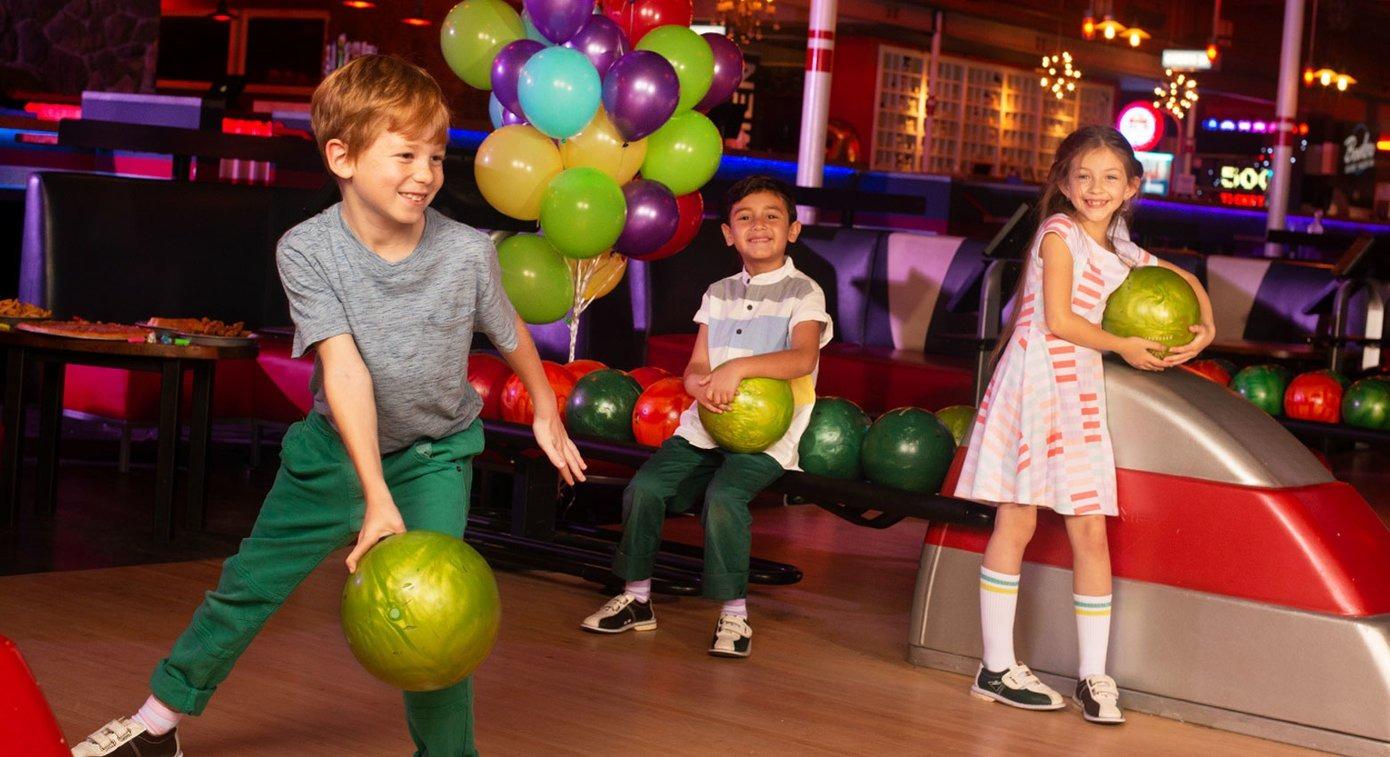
(1285, 113)
(815, 99)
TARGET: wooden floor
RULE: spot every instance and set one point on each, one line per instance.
(827, 676)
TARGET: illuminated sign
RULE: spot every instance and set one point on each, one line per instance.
(1244, 178)
(1359, 151)
(1141, 124)
(1158, 171)
(1186, 60)
(1241, 200)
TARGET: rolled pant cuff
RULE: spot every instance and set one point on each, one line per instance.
(633, 567)
(724, 586)
(170, 688)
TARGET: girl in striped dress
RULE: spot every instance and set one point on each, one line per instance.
(1040, 439)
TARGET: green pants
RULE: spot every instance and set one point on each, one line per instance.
(671, 482)
(315, 507)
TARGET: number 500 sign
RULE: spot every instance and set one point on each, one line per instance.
(1248, 179)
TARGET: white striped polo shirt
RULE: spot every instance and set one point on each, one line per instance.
(754, 315)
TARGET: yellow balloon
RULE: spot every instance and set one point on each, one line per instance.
(600, 146)
(513, 167)
(605, 271)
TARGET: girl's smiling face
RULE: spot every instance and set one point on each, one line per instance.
(1098, 186)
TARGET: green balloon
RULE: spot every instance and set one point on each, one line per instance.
(583, 212)
(689, 54)
(472, 34)
(684, 153)
(536, 278)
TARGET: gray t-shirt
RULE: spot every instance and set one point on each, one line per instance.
(412, 320)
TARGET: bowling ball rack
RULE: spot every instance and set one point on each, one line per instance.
(533, 532)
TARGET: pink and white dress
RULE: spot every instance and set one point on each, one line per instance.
(1040, 437)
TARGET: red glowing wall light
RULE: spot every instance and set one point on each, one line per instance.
(359, 4)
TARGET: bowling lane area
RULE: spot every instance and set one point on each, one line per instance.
(829, 676)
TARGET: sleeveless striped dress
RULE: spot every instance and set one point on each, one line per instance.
(1040, 436)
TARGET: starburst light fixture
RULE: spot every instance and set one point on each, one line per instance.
(1059, 76)
(744, 19)
(1176, 94)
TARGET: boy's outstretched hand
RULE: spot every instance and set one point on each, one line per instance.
(1205, 333)
(381, 520)
(555, 442)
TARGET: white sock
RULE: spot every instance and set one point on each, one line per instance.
(737, 607)
(1092, 632)
(998, 599)
(157, 718)
(640, 589)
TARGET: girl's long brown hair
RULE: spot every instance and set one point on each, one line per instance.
(1052, 200)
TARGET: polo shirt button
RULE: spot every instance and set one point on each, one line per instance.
(738, 331)
(750, 307)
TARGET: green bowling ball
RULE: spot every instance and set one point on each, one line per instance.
(760, 414)
(1153, 303)
(907, 448)
(958, 419)
(1263, 385)
(601, 405)
(422, 610)
(1366, 404)
(830, 444)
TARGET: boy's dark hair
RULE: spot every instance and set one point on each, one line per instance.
(759, 183)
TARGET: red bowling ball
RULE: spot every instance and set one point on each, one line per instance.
(581, 368)
(516, 401)
(1314, 396)
(488, 374)
(658, 411)
(648, 375)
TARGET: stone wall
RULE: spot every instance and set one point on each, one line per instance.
(67, 46)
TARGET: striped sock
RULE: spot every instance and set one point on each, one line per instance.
(998, 599)
(157, 717)
(1092, 632)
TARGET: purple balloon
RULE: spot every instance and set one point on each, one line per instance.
(506, 67)
(652, 216)
(728, 70)
(558, 20)
(602, 41)
(640, 92)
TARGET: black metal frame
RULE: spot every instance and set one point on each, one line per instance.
(535, 533)
(54, 363)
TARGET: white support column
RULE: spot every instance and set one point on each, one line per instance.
(815, 100)
(1286, 117)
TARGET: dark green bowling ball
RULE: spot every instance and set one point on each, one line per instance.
(1263, 385)
(601, 405)
(907, 448)
(1366, 404)
(830, 445)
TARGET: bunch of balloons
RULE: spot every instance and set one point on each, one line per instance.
(599, 135)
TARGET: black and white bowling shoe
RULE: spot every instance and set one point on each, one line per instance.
(127, 737)
(1016, 686)
(621, 613)
(1099, 698)
(733, 637)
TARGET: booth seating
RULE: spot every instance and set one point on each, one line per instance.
(903, 305)
(117, 249)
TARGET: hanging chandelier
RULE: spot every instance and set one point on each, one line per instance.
(744, 19)
(1176, 94)
(1059, 76)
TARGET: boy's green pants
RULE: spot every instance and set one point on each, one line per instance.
(314, 508)
(671, 482)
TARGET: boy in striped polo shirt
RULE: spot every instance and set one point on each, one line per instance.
(769, 320)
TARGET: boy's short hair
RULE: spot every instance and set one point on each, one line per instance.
(373, 94)
(759, 183)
